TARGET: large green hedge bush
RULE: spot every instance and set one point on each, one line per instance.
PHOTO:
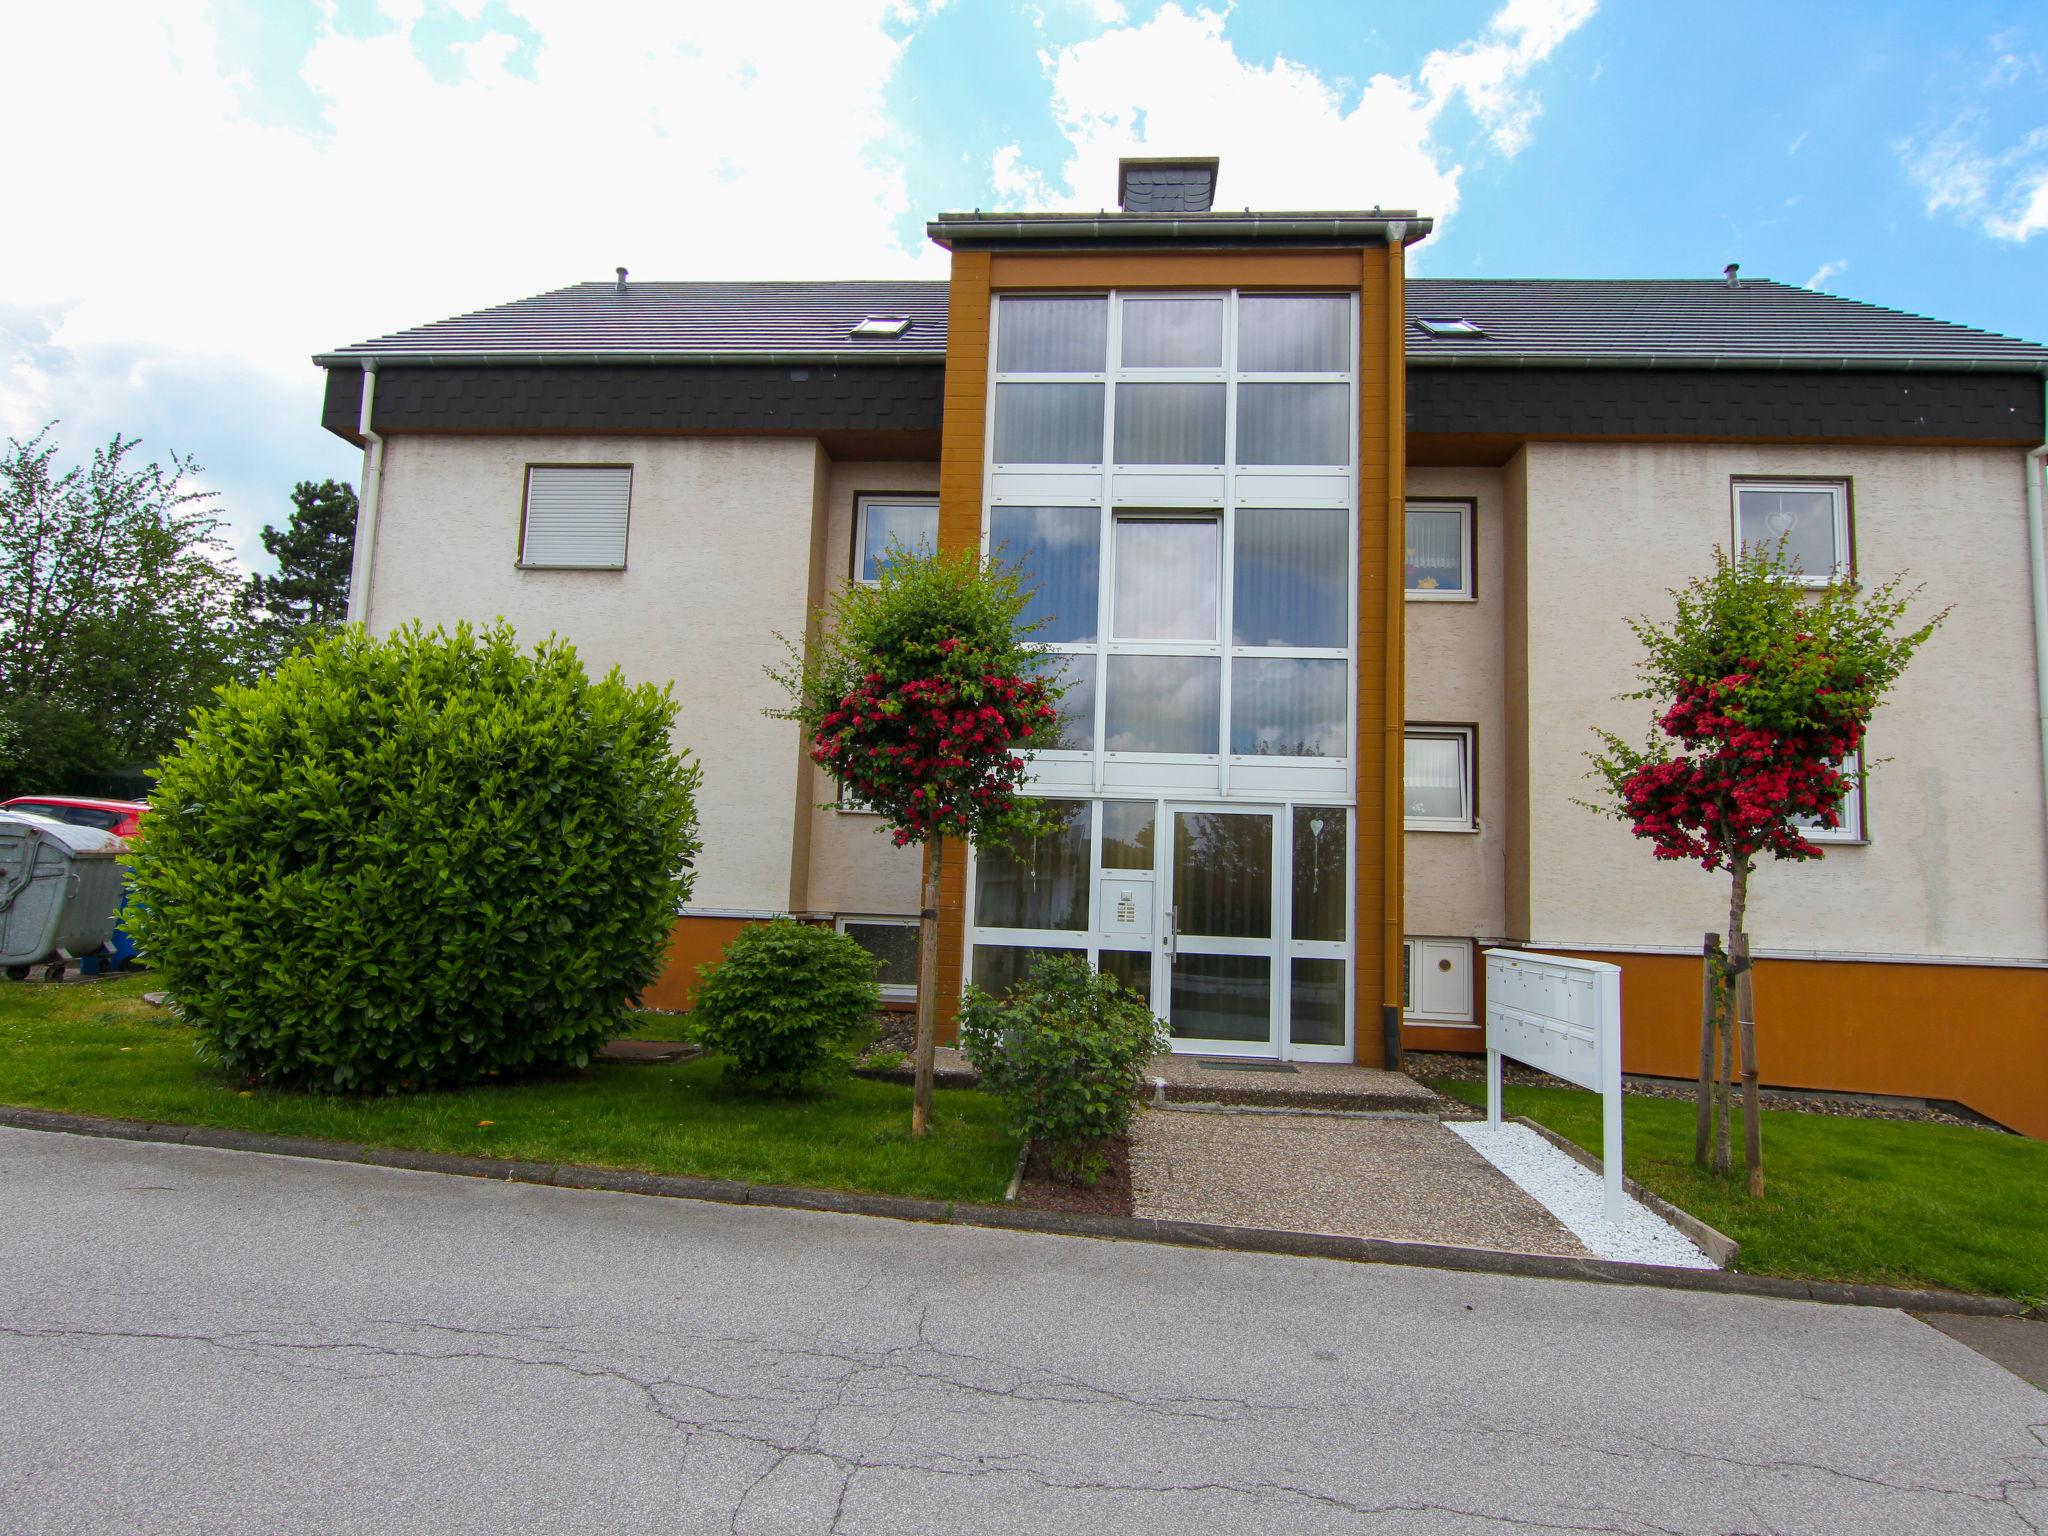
(416, 860)
(1066, 1051)
(785, 1003)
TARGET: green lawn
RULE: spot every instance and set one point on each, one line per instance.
(97, 1048)
(1880, 1201)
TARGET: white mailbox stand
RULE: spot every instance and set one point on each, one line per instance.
(1563, 1017)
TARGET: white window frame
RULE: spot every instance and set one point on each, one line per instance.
(891, 993)
(525, 508)
(1409, 1012)
(846, 803)
(1839, 490)
(866, 499)
(1468, 738)
(1468, 592)
(1852, 831)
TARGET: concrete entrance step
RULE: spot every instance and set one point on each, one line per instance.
(1295, 1085)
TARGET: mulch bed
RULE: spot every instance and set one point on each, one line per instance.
(1462, 1068)
(1111, 1195)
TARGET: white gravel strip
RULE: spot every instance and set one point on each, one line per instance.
(1577, 1196)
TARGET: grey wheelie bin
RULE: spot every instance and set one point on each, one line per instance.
(60, 890)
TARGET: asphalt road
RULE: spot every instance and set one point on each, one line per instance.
(209, 1341)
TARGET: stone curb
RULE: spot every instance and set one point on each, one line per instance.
(1147, 1229)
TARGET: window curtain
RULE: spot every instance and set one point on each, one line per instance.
(1433, 777)
(1057, 552)
(1293, 578)
(1052, 335)
(1169, 424)
(1436, 550)
(1048, 423)
(1293, 424)
(1293, 334)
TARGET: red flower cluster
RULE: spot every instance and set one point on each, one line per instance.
(938, 751)
(1734, 790)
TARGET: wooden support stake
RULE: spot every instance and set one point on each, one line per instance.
(1710, 977)
(1752, 1105)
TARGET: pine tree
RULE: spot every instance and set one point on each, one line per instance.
(308, 597)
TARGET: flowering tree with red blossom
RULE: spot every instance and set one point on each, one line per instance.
(921, 696)
(1764, 686)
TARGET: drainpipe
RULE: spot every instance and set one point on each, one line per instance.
(366, 504)
(2037, 564)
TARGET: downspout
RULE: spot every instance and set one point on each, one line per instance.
(366, 504)
(2037, 568)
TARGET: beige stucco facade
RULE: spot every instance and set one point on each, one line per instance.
(1956, 865)
(715, 567)
(1455, 883)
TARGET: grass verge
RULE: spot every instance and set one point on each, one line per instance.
(98, 1049)
(1882, 1202)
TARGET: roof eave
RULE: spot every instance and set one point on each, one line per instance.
(359, 357)
(1707, 362)
(981, 231)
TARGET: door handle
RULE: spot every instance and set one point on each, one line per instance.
(1172, 935)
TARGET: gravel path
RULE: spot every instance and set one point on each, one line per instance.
(1577, 1196)
(1408, 1179)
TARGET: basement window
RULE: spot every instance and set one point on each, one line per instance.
(1450, 328)
(880, 328)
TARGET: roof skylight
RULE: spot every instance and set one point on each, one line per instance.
(880, 328)
(1450, 327)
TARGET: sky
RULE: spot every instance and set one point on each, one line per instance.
(207, 192)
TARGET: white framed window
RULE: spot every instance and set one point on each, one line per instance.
(1808, 518)
(1437, 779)
(893, 943)
(883, 523)
(1851, 830)
(1436, 980)
(850, 804)
(574, 517)
(1438, 567)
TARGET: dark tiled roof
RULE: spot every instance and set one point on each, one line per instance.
(736, 321)
(1537, 321)
(1683, 322)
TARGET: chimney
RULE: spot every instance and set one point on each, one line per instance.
(1183, 185)
(1730, 271)
(622, 278)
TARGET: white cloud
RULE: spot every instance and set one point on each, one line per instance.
(172, 225)
(1176, 85)
(1825, 272)
(2003, 192)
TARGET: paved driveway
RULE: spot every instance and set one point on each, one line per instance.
(206, 1341)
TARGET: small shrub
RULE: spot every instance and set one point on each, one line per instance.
(884, 1061)
(416, 860)
(1066, 1050)
(786, 1004)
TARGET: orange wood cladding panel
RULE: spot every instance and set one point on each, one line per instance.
(1172, 269)
(691, 942)
(1976, 1034)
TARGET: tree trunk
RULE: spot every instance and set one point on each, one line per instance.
(1724, 1076)
(1752, 1105)
(927, 990)
(1710, 989)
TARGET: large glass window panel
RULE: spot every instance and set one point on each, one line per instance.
(1057, 553)
(1167, 571)
(1222, 997)
(1037, 882)
(1319, 866)
(1307, 333)
(1132, 967)
(1169, 424)
(1163, 704)
(1048, 423)
(1803, 520)
(894, 946)
(1223, 874)
(1173, 333)
(1076, 723)
(911, 527)
(1292, 581)
(1289, 424)
(1062, 335)
(1127, 833)
(1437, 550)
(1287, 706)
(1437, 778)
(999, 967)
(1315, 1002)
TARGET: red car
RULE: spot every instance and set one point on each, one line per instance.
(120, 817)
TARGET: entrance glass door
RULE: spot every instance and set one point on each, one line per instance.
(1219, 932)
